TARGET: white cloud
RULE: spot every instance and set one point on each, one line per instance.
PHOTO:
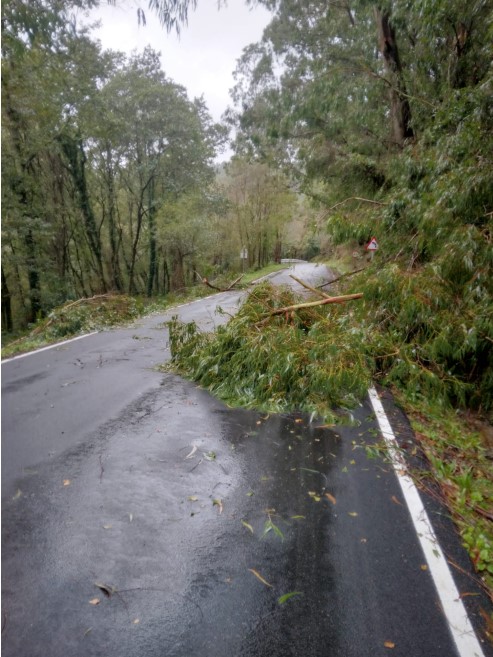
(203, 58)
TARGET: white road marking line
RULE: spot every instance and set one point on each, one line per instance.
(51, 346)
(454, 610)
(79, 337)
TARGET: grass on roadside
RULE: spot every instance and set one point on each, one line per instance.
(460, 462)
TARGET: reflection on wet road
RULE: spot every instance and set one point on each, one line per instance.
(180, 507)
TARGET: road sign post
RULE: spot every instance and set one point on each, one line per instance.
(371, 247)
(243, 256)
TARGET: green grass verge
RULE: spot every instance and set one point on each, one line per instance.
(460, 461)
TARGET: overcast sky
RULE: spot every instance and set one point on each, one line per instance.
(203, 58)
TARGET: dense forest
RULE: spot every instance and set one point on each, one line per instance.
(109, 181)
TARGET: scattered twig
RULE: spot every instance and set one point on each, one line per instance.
(102, 468)
(259, 577)
(196, 465)
(190, 599)
(353, 198)
(190, 455)
(482, 512)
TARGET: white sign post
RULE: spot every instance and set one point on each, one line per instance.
(243, 256)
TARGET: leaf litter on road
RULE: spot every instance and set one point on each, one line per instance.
(287, 596)
(190, 455)
(219, 504)
(259, 577)
(247, 525)
(270, 526)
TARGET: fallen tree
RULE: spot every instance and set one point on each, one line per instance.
(205, 281)
(312, 362)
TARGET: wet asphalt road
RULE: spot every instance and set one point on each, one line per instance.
(118, 475)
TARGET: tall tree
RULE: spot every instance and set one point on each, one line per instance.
(93, 147)
(261, 206)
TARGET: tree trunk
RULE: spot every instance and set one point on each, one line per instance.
(6, 305)
(459, 73)
(133, 258)
(74, 152)
(33, 278)
(277, 245)
(116, 278)
(152, 241)
(166, 281)
(400, 109)
(177, 278)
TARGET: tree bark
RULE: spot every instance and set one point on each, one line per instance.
(116, 278)
(74, 152)
(400, 109)
(6, 305)
(33, 278)
(133, 258)
(152, 241)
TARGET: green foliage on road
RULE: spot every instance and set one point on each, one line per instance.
(308, 361)
(321, 360)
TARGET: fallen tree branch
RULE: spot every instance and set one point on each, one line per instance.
(309, 287)
(205, 281)
(78, 302)
(353, 198)
(312, 304)
(356, 271)
(87, 300)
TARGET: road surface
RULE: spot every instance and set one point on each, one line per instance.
(143, 518)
